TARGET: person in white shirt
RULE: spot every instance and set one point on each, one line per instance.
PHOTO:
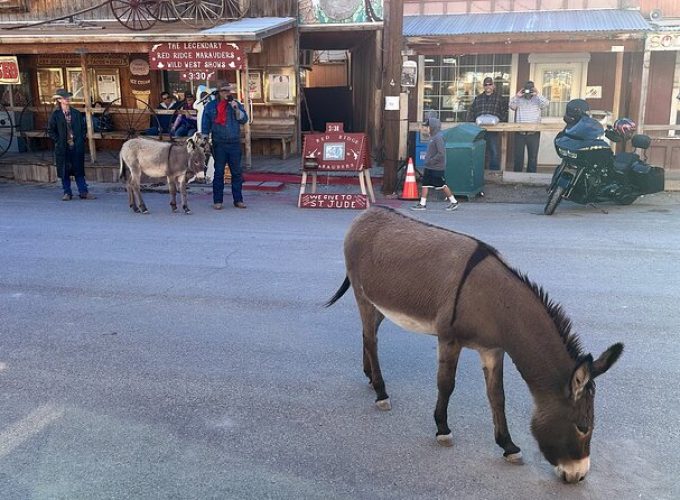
(527, 104)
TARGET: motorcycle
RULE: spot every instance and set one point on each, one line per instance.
(590, 172)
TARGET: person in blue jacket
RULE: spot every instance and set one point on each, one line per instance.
(222, 120)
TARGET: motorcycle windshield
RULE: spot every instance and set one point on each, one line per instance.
(585, 135)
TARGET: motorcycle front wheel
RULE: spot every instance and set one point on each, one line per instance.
(553, 200)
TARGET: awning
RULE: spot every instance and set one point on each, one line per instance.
(502, 23)
(112, 32)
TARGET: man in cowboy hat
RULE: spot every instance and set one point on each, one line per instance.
(67, 129)
(222, 119)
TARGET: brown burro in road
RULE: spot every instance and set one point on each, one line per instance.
(432, 280)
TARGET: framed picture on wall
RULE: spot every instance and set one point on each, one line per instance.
(49, 80)
(281, 88)
(74, 84)
(255, 85)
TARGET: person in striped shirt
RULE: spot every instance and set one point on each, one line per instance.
(527, 104)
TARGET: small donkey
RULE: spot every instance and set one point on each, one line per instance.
(162, 159)
(431, 280)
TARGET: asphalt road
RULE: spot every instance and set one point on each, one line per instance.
(181, 357)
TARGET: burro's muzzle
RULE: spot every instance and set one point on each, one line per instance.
(573, 471)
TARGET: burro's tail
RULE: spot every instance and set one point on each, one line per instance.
(122, 171)
(341, 291)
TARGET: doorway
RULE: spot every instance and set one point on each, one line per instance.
(560, 78)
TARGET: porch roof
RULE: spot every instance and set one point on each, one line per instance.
(112, 32)
(524, 23)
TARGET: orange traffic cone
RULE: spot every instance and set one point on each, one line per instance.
(410, 191)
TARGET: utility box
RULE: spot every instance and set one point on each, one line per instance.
(465, 148)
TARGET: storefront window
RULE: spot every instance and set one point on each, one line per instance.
(452, 82)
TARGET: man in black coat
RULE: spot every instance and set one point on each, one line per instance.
(67, 129)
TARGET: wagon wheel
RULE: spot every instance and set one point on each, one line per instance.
(136, 120)
(199, 12)
(138, 15)
(236, 9)
(6, 129)
(166, 13)
(34, 118)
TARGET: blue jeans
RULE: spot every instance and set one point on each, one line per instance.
(493, 150)
(227, 153)
(66, 180)
(184, 130)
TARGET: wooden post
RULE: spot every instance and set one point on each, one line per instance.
(246, 104)
(646, 61)
(618, 83)
(88, 106)
(391, 85)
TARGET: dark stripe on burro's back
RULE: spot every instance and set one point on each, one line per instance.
(481, 252)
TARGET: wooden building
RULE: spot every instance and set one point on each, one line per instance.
(592, 49)
(91, 53)
(98, 58)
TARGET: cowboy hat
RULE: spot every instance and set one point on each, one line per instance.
(62, 94)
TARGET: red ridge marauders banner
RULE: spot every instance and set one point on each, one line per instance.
(196, 60)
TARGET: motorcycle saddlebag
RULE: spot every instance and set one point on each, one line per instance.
(647, 178)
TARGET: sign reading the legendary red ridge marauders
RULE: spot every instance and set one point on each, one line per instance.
(194, 57)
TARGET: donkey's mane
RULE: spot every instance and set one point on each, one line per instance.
(554, 309)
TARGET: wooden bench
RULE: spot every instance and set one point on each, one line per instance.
(283, 129)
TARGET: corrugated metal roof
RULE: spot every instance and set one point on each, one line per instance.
(526, 22)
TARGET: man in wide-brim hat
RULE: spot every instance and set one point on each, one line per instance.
(222, 120)
(67, 129)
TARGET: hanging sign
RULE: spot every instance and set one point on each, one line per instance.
(409, 73)
(9, 70)
(192, 57)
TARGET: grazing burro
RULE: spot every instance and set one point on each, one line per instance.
(162, 159)
(435, 281)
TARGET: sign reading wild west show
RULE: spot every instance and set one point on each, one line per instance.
(196, 60)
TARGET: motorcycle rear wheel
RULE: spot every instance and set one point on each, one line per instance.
(553, 200)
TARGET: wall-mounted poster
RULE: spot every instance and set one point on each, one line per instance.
(281, 88)
(108, 85)
(255, 85)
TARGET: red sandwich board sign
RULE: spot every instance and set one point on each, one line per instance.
(333, 151)
(196, 60)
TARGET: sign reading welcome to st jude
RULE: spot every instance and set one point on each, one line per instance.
(196, 60)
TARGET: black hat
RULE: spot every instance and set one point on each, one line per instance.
(488, 79)
(62, 94)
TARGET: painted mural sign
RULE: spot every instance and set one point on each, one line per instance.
(340, 11)
(664, 41)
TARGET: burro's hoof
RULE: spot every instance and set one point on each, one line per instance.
(514, 458)
(445, 439)
(384, 404)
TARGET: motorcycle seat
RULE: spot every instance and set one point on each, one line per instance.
(624, 161)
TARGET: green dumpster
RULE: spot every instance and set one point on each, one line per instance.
(465, 148)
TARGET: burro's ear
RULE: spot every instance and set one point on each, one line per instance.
(580, 377)
(607, 359)
(191, 145)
